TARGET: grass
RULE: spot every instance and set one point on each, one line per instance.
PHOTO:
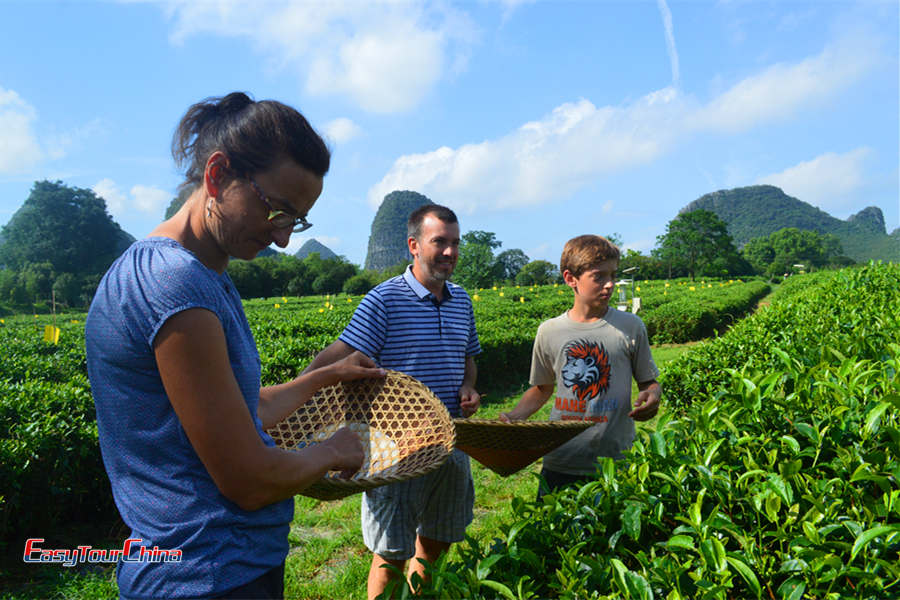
(328, 559)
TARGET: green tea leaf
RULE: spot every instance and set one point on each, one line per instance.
(868, 535)
(681, 541)
(631, 521)
(500, 588)
(711, 451)
(792, 589)
(792, 442)
(874, 417)
(811, 433)
(780, 487)
(746, 573)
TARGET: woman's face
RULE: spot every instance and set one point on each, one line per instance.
(244, 228)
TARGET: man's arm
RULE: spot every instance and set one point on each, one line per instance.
(647, 403)
(278, 401)
(337, 350)
(530, 402)
(469, 399)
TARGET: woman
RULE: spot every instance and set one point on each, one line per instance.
(175, 373)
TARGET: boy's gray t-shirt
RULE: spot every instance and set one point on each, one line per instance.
(592, 365)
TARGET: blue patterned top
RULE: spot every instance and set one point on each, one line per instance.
(162, 490)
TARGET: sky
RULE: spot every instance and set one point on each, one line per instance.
(535, 120)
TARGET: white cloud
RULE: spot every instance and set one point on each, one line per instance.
(341, 130)
(578, 142)
(150, 199)
(830, 181)
(670, 39)
(385, 56)
(783, 89)
(19, 147)
(142, 198)
(116, 200)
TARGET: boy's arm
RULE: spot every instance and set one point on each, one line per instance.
(647, 403)
(533, 399)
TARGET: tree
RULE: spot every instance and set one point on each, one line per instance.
(694, 240)
(508, 264)
(537, 272)
(177, 202)
(67, 289)
(781, 250)
(615, 238)
(476, 265)
(65, 226)
(647, 267)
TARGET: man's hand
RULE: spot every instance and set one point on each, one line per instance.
(647, 403)
(356, 366)
(469, 401)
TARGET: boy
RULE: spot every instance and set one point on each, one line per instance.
(591, 353)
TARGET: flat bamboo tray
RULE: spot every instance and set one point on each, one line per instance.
(404, 428)
(506, 448)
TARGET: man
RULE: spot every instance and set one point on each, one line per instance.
(422, 325)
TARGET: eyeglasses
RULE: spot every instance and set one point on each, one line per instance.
(280, 218)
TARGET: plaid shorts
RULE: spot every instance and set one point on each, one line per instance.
(437, 506)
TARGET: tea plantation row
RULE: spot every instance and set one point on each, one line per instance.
(51, 472)
(775, 473)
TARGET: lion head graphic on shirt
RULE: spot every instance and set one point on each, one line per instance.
(586, 371)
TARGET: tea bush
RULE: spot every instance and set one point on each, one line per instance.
(51, 471)
(781, 480)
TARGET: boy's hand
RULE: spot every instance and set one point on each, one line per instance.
(647, 403)
(469, 401)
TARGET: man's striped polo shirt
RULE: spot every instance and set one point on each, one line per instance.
(401, 326)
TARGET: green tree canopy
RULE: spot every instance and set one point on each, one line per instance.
(696, 240)
(537, 272)
(476, 267)
(65, 226)
(177, 202)
(781, 250)
(509, 262)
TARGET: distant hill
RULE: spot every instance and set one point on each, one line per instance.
(269, 251)
(758, 210)
(387, 241)
(65, 226)
(313, 245)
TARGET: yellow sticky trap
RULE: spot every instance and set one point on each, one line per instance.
(51, 334)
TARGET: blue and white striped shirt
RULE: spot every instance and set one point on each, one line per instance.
(402, 326)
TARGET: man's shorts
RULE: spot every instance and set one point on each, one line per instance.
(436, 506)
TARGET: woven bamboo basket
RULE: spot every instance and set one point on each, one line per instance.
(404, 428)
(506, 448)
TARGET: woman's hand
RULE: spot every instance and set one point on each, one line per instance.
(348, 452)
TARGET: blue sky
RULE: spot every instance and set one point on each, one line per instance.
(537, 121)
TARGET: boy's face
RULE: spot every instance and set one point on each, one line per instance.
(595, 286)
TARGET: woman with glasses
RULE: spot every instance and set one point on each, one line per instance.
(175, 372)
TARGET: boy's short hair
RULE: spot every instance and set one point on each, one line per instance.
(585, 252)
(414, 223)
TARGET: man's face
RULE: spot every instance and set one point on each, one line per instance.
(436, 250)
